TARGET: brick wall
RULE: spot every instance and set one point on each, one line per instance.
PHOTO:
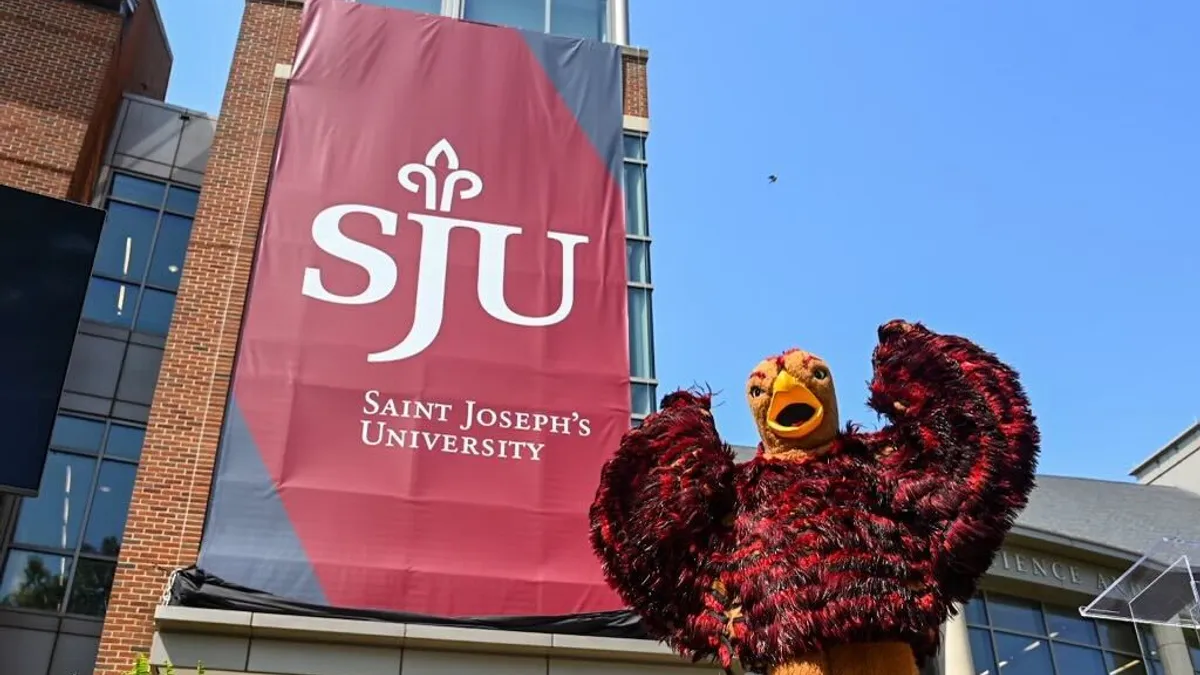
(141, 65)
(63, 67)
(171, 493)
(55, 56)
(637, 99)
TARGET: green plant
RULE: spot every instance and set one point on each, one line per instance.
(141, 666)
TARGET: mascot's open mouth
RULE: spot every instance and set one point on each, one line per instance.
(795, 414)
(795, 411)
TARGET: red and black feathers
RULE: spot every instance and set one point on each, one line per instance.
(871, 541)
(657, 517)
(966, 446)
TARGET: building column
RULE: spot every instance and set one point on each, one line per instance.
(1172, 650)
(619, 15)
(956, 644)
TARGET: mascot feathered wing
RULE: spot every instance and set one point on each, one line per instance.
(833, 551)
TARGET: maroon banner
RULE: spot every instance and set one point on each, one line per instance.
(434, 360)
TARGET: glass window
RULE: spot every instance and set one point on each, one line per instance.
(110, 505)
(91, 586)
(1153, 662)
(1025, 655)
(635, 199)
(125, 442)
(635, 146)
(1016, 614)
(1149, 642)
(586, 19)
(1069, 643)
(139, 374)
(73, 654)
(641, 339)
(637, 260)
(1118, 636)
(74, 488)
(527, 14)
(643, 398)
(124, 247)
(981, 650)
(1192, 638)
(1120, 663)
(34, 580)
(976, 612)
(77, 433)
(95, 365)
(55, 517)
(170, 247)
(155, 312)
(1078, 660)
(143, 247)
(110, 302)
(1065, 624)
(184, 200)
(426, 6)
(138, 190)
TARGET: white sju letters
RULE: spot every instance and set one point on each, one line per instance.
(382, 273)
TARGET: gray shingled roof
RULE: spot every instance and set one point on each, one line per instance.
(1121, 515)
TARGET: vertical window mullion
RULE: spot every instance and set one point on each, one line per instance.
(87, 513)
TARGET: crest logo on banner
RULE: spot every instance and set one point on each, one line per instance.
(382, 272)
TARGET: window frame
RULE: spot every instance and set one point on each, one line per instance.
(447, 6)
(457, 9)
(1191, 640)
(647, 286)
(76, 553)
(1143, 655)
(614, 16)
(143, 283)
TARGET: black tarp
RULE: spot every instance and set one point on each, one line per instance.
(193, 587)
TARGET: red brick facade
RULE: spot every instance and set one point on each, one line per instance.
(65, 65)
(637, 100)
(171, 493)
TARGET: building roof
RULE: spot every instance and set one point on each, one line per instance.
(1168, 455)
(1120, 515)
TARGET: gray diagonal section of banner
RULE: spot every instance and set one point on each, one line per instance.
(249, 539)
(588, 77)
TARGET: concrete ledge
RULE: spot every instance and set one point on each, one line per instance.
(477, 640)
(182, 619)
(637, 52)
(643, 651)
(191, 621)
(635, 123)
(317, 629)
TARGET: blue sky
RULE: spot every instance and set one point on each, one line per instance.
(1025, 174)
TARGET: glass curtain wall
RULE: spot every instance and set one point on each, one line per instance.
(637, 263)
(1018, 636)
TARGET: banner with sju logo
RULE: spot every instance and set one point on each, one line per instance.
(434, 362)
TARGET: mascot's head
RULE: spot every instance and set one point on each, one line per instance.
(794, 404)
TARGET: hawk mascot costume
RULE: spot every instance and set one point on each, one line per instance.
(834, 551)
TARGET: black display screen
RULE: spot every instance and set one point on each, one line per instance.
(46, 250)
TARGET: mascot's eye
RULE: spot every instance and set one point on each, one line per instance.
(820, 373)
(756, 391)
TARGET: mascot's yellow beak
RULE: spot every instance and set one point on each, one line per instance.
(794, 411)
